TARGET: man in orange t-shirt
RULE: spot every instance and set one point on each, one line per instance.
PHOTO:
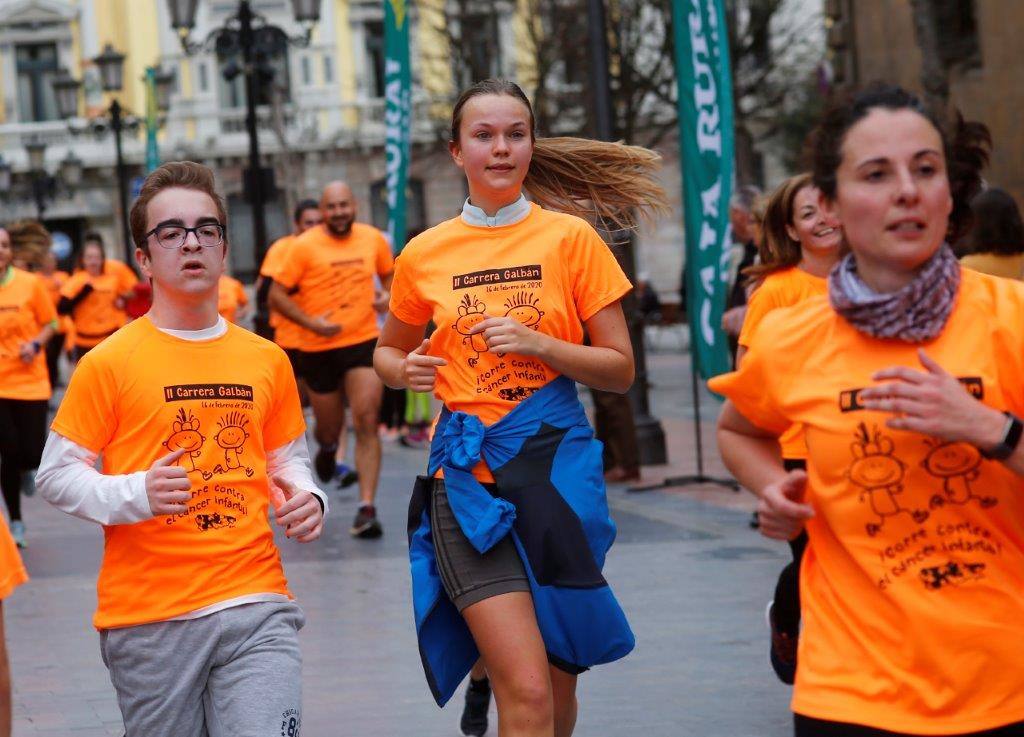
(326, 287)
(286, 333)
(232, 301)
(200, 430)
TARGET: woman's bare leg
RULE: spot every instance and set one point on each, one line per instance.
(479, 671)
(5, 683)
(563, 687)
(506, 632)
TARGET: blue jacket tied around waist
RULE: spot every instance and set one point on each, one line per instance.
(551, 499)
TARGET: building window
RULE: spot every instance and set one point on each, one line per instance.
(375, 55)
(958, 34)
(204, 77)
(480, 53)
(328, 69)
(232, 81)
(307, 71)
(36, 68)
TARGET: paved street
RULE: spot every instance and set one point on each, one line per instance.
(690, 573)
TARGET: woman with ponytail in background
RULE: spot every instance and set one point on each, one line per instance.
(800, 244)
(509, 530)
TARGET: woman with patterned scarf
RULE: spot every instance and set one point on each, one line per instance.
(907, 380)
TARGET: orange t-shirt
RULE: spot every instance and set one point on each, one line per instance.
(783, 288)
(230, 296)
(12, 569)
(143, 394)
(53, 283)
(334, 277)
(550, 271)
(286, 332)
(97, 316)
(912, 586)
(126, 278)
(25, 307)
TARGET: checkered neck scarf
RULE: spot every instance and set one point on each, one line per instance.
(916, 313)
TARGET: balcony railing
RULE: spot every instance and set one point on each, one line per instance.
(308, 125)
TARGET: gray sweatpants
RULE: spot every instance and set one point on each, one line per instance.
(233, 673)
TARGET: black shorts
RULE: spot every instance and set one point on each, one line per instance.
(467, 575)
(324, 370)
(293, 359)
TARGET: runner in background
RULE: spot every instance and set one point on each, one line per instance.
(54, 279)
(417, 419)
(27, 322)
(232, 301)
(799, 246)
(326, 286)
(125, 274)
(511, 286)
(94, 298)
(907, 382)
(995, 244)
(743, 231)
(200, 430)
(12, 575)
(286, 333)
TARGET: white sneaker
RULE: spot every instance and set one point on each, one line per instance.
(18, 533)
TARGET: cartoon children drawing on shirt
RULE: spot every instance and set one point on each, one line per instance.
(186, 436)
(231, 438)
(880, 475)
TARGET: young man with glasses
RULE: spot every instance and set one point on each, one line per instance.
(200, 430)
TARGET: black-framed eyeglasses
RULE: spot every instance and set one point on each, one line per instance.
(207, 235)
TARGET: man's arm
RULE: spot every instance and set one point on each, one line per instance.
(67, 479)
(291, 463)
(280, 301)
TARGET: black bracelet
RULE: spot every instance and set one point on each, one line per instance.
(1011, 438)
(37, 346)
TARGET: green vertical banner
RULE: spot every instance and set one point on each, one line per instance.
(397, 115)
(706, 147)
(152, 123)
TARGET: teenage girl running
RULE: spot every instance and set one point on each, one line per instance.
(510, 286)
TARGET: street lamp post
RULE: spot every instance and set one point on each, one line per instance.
(42, 184)
(111, 64)
(258, 41)
(649, 433)
(66, 88)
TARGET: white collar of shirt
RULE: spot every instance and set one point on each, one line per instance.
(508, 215)
(215, 331)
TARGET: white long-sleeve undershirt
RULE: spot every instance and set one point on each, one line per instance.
(67, 478)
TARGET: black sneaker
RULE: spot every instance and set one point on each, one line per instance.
(346, 475)
(324, 462)
(474, 715)
(782, 652)
(366, 524)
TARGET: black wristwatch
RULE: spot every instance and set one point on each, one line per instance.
(37, 346)
(1011, 438)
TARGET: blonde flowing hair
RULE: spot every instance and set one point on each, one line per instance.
(582, 177)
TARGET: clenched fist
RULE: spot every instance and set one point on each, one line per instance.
(167, 485)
